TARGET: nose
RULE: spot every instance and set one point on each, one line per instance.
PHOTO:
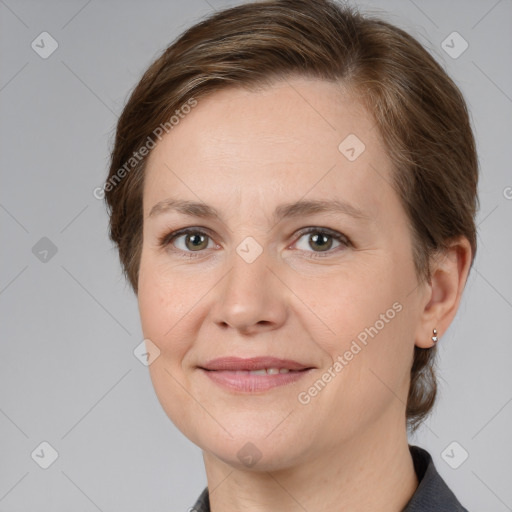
(252, 298)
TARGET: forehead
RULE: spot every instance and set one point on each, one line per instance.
(294, 138)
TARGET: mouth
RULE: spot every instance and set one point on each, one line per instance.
(254, 374)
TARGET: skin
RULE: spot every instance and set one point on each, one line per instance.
(245, 153)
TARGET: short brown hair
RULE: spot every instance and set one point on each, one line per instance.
(420, 113)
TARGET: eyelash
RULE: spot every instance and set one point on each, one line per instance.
(167, 239)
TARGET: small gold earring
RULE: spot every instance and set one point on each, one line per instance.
(435, 338)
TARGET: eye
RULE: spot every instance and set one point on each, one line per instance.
(187, 240)
(193, 240)
(321, 239)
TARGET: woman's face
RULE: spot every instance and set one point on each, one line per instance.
(341, 301)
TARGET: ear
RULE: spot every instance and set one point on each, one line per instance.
(449, 272)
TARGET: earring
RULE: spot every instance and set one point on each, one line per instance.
(434, 338)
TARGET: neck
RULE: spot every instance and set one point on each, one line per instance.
(374, 471)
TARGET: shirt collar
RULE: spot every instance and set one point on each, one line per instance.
(432, 492)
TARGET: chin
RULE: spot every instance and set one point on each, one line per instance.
(253, 449)
(257, 456)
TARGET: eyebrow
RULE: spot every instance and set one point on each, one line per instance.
(288, 210)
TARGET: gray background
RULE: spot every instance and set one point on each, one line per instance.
(69, 325)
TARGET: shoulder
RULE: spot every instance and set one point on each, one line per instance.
(203, 502)
(432, 494)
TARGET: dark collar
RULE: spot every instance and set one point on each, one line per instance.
(432, 494)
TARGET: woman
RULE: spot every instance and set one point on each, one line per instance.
(292, 191)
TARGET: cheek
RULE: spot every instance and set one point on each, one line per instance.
(163, 317)
(350, 301)
(367, 323)
(163, 303)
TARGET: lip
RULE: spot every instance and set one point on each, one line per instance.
(232, 373)
(252, 364)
